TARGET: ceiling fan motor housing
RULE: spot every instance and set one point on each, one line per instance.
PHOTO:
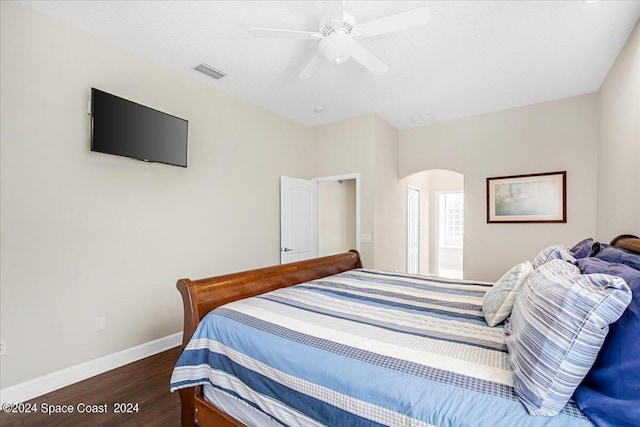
(347, 24)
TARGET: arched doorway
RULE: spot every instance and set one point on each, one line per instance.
(439, 219)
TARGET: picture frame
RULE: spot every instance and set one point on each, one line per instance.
(532, 198)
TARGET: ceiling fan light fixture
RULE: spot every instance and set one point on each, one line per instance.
(337, 47)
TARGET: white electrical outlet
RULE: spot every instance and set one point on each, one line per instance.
(366, 238)
(101, 323)
(3, 347)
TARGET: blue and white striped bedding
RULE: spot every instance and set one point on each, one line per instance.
(363, 348)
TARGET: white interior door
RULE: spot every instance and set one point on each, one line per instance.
(298, 219)
(413, 230)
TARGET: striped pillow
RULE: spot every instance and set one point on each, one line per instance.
(558, 324)
(553, 252)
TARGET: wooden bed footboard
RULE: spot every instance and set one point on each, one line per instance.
(199, 297)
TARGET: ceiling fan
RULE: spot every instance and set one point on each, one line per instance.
(339, 34)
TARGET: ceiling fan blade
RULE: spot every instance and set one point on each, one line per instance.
(284, 34)
(368, 59)
(312, 67)
(401, 21)
(333, 10)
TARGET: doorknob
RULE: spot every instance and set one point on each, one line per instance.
(286, 250)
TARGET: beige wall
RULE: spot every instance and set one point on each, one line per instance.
(552, 136)
(87, 234)
(336, 216)
(346, 147)
(619, 145)
(390, 214)
(368, 145)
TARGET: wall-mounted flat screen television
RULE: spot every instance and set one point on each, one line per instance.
(124, 128)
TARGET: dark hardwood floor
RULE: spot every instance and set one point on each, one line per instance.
(145, 383)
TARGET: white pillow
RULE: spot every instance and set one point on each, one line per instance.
(498, 301)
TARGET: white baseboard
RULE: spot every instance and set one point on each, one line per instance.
(73, 374)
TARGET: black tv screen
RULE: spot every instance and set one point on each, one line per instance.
(124, 128)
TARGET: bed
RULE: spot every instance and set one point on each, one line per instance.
(326, 342)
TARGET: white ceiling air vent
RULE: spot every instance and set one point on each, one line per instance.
(421, 119)
(210, 71)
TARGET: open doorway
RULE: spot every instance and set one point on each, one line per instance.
(435, 257)
(336, 216)
(449, 229)
(338, 213)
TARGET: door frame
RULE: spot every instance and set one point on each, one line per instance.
(419, 190)
(345, 177)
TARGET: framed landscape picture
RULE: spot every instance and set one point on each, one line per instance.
(539, 197)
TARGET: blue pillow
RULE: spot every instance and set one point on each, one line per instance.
(620, 256)
(585, 248)
(610, 393)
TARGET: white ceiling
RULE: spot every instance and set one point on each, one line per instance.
(473, 57)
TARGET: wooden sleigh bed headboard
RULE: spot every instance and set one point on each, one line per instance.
(199, 297)
(628, 242)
